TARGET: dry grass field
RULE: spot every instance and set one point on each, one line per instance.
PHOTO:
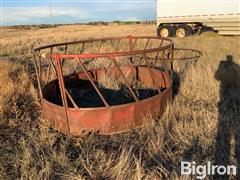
(202, 124)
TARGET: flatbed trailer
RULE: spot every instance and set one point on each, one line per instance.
(188, 17)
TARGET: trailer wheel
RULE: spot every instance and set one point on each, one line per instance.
(165, 31)
(183, 30)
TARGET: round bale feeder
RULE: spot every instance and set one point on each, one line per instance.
(108, 85)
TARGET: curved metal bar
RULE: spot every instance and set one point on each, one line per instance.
(99, 39)
(115, 54)
(187, 58)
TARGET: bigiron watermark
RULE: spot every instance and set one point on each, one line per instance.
(201, 171)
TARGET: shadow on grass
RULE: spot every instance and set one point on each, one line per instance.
(228, 135)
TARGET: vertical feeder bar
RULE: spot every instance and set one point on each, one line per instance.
(130, 43)
(130, 47)
(65, 52)
(124, 78)
(39, 65)
(71, 99)
(158, 52)
(83, 46)
(172, 58)
(48, 71)
(62, 89)
(94, 59)
(93, 83)
(116, 50)
(65, 49)
(38, 78)
(146, 45)
(51, 62)
(66, 91)
(151, 74)
(134, 44)
(155, 62)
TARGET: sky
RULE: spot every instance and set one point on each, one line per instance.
(18, 12)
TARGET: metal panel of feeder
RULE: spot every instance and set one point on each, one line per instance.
(108, 85)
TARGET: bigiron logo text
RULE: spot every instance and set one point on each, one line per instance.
(201, 171)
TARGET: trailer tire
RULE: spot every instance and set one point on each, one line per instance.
(165, 31)
(183, 30)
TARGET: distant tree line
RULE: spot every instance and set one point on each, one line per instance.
(89, 23)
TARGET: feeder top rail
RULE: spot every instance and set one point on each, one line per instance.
(169, 44)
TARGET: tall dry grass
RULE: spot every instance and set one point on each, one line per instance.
(190, 129)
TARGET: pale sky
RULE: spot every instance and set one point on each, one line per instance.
(17, 12)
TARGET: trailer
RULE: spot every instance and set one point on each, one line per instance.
(187, 17)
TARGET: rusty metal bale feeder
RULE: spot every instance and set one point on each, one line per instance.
(132, 59)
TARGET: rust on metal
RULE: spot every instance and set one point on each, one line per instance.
(76, 101)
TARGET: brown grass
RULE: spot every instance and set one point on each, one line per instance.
(193, 128)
